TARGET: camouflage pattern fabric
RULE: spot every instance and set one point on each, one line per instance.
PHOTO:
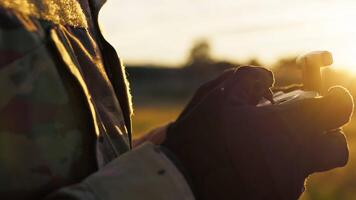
(82, 57)
(41, 144)
(57, 11)
(49, 132)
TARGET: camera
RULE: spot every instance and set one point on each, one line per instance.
(310, 64)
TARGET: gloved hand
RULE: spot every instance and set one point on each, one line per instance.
(232, 149)
(156, 136)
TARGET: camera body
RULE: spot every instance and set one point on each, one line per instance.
(310, 63)
(288, 97)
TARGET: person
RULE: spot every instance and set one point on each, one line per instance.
(65, 122)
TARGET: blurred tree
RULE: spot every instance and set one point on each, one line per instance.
(288, 62)
(200, 53)
(287, 72)
(254, 62)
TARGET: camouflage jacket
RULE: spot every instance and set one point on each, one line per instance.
(64, 105)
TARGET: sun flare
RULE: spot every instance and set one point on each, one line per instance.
(342, 39)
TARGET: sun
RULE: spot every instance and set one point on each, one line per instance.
(344, 41)
(345, 59)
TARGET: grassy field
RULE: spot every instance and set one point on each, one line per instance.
(338, 184)
(149, 117)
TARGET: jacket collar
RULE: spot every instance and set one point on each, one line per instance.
(97, 5)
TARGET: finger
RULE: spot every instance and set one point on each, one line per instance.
(324, 152)
(156, 136)
(243, 85)
(249, 85)
(318, 114)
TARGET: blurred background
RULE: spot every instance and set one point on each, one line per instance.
(171, 47)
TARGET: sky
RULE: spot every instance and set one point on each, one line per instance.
(163, 31)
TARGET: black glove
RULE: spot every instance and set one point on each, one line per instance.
(232, 149)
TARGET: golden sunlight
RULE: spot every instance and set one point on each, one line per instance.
(267, 32)
(345, 53)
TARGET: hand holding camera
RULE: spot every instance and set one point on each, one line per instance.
(234, 147)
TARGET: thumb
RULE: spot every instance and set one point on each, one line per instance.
(249, 85)
(338, 106)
